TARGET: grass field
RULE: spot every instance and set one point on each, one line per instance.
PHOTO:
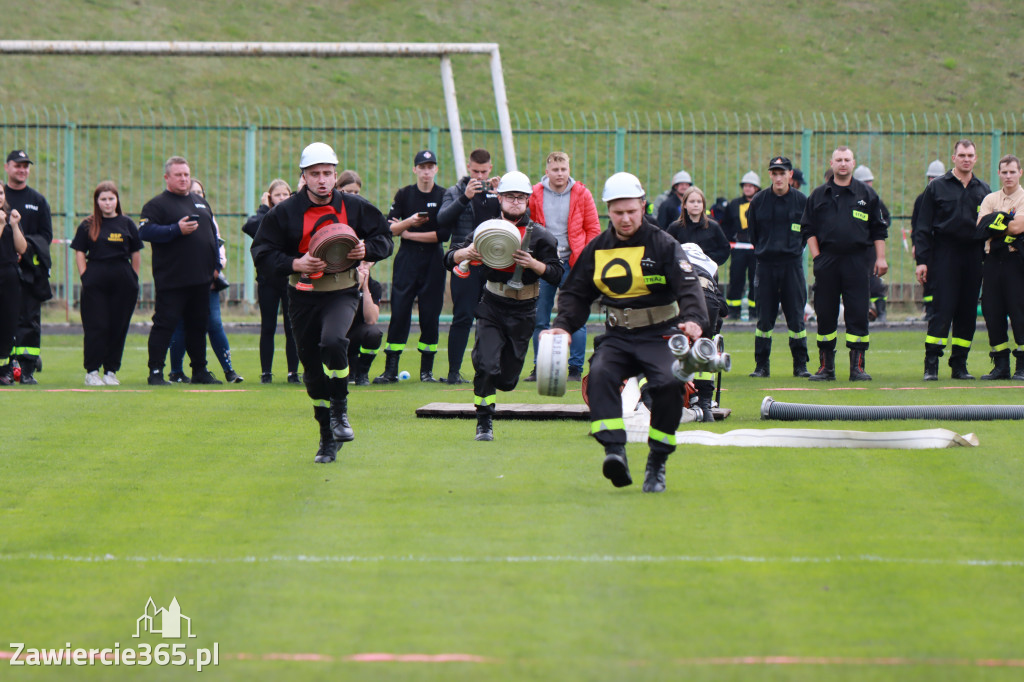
(756, 564)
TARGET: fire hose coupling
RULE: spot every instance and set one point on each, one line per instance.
(703, 355)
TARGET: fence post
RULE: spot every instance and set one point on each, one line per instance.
(249, 201)
(432, 138)
(997, 138)
(620, 150)
(69, 212)
(805, 164)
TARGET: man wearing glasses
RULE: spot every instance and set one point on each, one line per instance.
(506, 315)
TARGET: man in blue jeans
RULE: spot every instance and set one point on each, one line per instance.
(565, 207)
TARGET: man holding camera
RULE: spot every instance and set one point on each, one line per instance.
(179, 225)
(650, 290)
(466, 204)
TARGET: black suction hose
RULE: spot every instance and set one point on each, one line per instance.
(789, 412)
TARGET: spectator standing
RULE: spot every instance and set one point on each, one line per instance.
(878, 290)
(466, 204)
(949, 253)
(108, 256)
(668, 207)
(349, 182)
(842, 220)
(418, 271)
(566, 209)
(936, 169)
(12, 246)
(272, 295)
(695, 227)
(34, 266)
(743, 264)
(181, 229)
(773, 218)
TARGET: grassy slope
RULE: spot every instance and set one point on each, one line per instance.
(227, 475)
(882, 56)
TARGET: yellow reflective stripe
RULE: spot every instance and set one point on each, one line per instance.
(642, 382)
(935, 340)
(607, 425)
(368, 351)
(860, 215)
(850, 338)
(963, 343)
(335, 373)
(795, 227)
(1002, 346)
(998, 224)
(485, 400)
(24, 350)
(661, 437)
(926, 299)
(731, 302)
(827, 337)
(763, 335)
(321, 403)
(752, 304)
(394, 347)
(798, 335)
(426, 347)
(704, 376)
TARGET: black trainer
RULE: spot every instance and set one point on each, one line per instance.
(294, 378)
(654, 476)
(532, 376)
(266, 378)
(156, 378)
(428, 377)
(454, 378)
(204, 376)
(178, 378)
(233, 377)
(616, 466)
(575, 374)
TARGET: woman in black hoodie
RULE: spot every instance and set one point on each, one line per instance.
(695, 227)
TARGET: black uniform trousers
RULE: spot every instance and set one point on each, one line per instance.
(841, 275)
(504, 329)
(955, 273)
(466, 293)
(742, 270)
(1002, 296)
(110, 289)
(363, 338)
(418, 274)
(781, 283)
(28, 335)
(321, 321)
(189, 304)
(272, 294)
(10, 305)
(619, 355)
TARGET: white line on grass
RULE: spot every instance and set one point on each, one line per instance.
(545, 559)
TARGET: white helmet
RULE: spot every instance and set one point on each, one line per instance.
(315, 153)
(681, 176)
(863, 173)
(622, 186)
(697, 256)
(514, 181)
(935, 169)
(751, 178)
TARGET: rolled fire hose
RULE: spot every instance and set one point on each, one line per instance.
(552, 364)
(770, 409)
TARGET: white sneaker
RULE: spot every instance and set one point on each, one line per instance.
(93, 379)
(110, 379)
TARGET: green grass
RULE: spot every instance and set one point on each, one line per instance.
(607, 55)
(422, 541)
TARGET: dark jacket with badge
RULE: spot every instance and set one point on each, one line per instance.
(774, 224)
(645, 271)
(948, 211)
(180, 260)
(844, 220)
(37, 227)
(734, 222)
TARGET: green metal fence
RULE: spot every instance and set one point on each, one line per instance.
(237, 153)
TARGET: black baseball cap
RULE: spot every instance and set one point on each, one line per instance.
(780, 162)
(19, 155)
(425, 156)
(798, 175)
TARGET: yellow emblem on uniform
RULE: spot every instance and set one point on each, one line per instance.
(618, 272)
(743, 215)
(115, 237)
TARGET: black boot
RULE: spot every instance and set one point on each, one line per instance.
(762, 369)
(931, 367)
(6, 375)
(800, 369)
(827, 370)
(361, 369)
(857, 372)
(328, 450)
(616, 466)
(340, 427)
(390, 375)
(958, 365)
(427, 367)
(705, 392)
(1018, 370)
(654, 476)
(880, 306)
(484, 426)
(1001, 369)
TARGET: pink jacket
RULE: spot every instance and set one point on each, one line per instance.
(584, 224)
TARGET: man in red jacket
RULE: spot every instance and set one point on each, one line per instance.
(565, 207)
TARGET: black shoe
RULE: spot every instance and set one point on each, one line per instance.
(266, 378)
(178, 378)
(654, 476)
(484, 427)
(156, 378)
(6, 375)
(340, 427)
(616, 467)
(232, 377)
(428, 377)
(204, 376)
(575, 374)
(28, 379)
(931, 368)
(294, 378)
(800, 369)
(532, 376)
(362, 380)
(762, 372)
(454, 378)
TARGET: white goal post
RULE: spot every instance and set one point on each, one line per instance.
(444, 51)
